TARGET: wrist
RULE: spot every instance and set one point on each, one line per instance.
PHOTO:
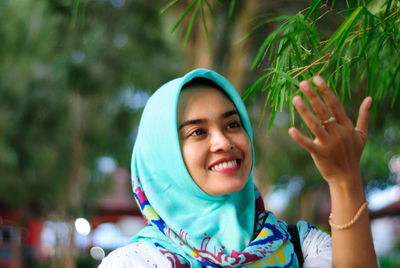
(348, 182)
(349, 188)
(346, 199)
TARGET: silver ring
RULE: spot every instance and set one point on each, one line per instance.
(329, 120)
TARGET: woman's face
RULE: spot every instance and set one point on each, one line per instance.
(215, 147)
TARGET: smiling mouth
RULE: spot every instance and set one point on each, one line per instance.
(226, 165)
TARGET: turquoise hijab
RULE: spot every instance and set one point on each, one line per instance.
(188, 226)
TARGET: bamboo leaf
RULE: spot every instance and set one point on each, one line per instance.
(262, 50)
(262, 23)
(296, 50)
(210, 8)
(271, 120)
(344, 28)
(268, 42)
(357, 49)
(203, 16)
(191, 22)
(282, 95)
(333, 4)
(280, 18)
(287, 77)
(314, 9)
(366, 35)
(183, 15)
(254, 87)
(78, 15)
(388, 6)
(263, 113)
(256, 27)
(170, 4)
(232, 5)
(282, 47)
(310, 31)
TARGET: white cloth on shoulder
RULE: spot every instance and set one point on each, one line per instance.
(136, 255)
(316, 248)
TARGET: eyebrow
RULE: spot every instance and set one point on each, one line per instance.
(198, 121)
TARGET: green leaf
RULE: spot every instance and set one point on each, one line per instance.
(268, 42)
(170, 4)
(232, 5)
(191, 22)
(287, 77)
(313, 9)
(264, 110)
(78, 13)
(254, 87)
(344, 28)
(210, 8)
(203, 16)
(388, 6)
(296, 49)
(271, 120)
(183, 15)
(281, 18)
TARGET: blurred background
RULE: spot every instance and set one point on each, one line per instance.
(74, 77)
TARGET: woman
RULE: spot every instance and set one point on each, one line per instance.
(191, 172)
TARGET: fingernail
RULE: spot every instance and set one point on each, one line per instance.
(297, 100)
(318, 80)
(292, 131)
(305, 85)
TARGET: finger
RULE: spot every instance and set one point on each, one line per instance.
(318, 106)
(303, 141)
(363, 116)
(332, 101)
(309, 118)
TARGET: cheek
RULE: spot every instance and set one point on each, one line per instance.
(191, 156)
(243, 142)
(245, 147)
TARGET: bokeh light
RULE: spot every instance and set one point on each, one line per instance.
(82, 226)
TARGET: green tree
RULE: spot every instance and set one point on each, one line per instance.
(71, 89)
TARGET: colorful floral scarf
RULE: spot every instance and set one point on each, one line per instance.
(188, 226)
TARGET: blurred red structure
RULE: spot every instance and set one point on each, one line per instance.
(119, 202)
(20, 235)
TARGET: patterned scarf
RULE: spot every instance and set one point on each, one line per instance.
(188, 226)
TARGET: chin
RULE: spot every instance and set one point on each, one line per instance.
(227, 190)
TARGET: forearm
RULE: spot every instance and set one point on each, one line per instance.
(353, 246)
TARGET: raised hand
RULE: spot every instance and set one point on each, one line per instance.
(337, 146)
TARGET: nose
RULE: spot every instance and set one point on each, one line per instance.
(220, 142)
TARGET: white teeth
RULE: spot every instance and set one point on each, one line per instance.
(224, 165)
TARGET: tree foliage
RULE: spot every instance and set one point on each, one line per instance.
(70, 91)
(363, 51)
(353, 44)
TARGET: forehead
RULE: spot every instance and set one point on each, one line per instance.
(202, 100)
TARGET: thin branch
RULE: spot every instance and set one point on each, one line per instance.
(323, 15)
(359, 32)
(305, 68)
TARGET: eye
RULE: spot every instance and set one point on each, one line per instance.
(197, 132)
(234, 124)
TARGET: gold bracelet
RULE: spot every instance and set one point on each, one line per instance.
(350, 223)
